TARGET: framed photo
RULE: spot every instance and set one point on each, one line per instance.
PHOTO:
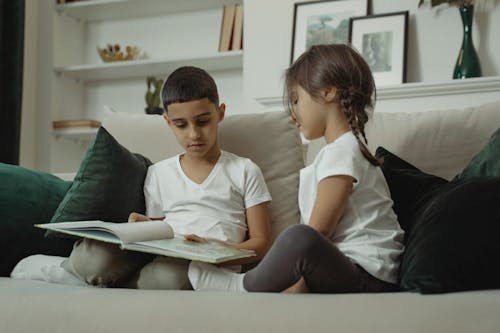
(323, 22)
(382, 41)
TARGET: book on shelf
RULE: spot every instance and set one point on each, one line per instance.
(156, 237)
(76, 123)
(226, 31)
(237, 38)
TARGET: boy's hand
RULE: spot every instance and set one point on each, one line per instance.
(194, 238)
(136, 217)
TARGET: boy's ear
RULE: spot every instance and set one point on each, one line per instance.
(330, 94)
(165, 116)
(221, 110)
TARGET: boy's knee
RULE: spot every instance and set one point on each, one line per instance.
(102, 264)
(164, 273)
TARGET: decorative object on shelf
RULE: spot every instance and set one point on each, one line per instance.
(152, 97)
(323, 22)
(468, 64)
(381, 40)
(113, 53)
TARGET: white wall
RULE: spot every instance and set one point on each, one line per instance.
(28, 114)
(434, 39)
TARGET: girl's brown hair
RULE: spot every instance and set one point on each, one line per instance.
(339, 66)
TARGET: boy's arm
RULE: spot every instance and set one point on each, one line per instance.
(259, 235)
(136, 217)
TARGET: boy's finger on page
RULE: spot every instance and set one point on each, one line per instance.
(195, 238)
(132, 217)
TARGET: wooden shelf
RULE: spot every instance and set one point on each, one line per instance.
(142, 68)
(77, 134)
(100, 10)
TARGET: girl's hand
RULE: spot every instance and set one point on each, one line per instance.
(136, 217)
(195, 238)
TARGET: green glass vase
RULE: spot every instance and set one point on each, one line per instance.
(468, 62)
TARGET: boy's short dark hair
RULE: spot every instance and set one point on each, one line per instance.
(187, 84)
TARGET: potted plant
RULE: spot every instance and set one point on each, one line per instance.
(152, 97)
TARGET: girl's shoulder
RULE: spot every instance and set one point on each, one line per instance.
(344, 146)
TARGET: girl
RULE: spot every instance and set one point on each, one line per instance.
(350, 239)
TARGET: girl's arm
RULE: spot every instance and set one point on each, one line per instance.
(259, 235)
(331, 201)
(329, 206)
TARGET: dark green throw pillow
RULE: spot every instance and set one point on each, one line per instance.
(486, 162)
(28, 197)
(451, 228)
(410, 187)
(108, 186)
(454, 244)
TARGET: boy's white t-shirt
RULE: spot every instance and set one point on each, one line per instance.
(368, 232)
(214, 209)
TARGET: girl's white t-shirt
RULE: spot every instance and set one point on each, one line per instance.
(368, 233)
(214, 209)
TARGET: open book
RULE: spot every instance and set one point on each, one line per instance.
(156, 237)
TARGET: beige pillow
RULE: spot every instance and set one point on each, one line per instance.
(440, 142)
(269, 139)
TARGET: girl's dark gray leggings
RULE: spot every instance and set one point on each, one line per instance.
(301, 251)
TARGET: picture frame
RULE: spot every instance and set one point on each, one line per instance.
(323, 22)
(382, 41)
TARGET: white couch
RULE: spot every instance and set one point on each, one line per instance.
(439, 142)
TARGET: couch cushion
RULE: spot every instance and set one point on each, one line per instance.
(440, 142)
(27, 197)
(487, 161)
(34, 306)
(108, 186)
(269, 139)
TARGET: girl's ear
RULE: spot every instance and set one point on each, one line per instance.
(330, 94)
(221, 110)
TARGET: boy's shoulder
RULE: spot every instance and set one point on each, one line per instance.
(231, 158)
(239, 164)
(170, 162)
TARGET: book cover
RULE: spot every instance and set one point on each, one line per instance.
(228, 16)
(237, 39)
(156, 237)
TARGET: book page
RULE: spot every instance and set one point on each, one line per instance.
(126, 232)
(181, 248)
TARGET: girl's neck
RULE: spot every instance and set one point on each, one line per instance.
(336, 125)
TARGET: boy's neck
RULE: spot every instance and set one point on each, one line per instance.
(211, 157)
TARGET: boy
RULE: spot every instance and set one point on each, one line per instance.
(204, 194)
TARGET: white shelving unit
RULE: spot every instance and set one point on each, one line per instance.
(82, 82)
